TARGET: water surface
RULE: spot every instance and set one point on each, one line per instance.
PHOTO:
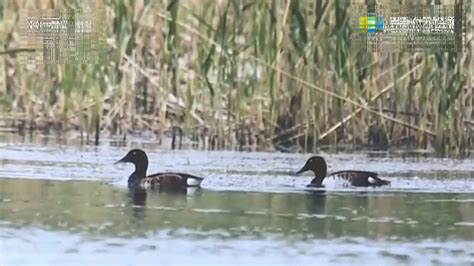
(62, 203)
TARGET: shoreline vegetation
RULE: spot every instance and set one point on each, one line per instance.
(243, 75)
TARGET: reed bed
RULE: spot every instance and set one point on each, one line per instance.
(245, 75)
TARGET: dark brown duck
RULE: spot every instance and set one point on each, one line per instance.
(158, 181)
(356, 178)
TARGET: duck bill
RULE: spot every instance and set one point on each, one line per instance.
(302, 170)
(123, 160)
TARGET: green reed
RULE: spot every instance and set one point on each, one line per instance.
(251, 75)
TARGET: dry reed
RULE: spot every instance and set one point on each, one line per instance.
(246, 75)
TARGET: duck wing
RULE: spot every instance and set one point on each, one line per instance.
(360, 178)
(163, 182)
(149, 183)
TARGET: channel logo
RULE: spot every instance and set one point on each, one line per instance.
(370, 23)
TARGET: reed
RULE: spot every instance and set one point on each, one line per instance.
(248, 75)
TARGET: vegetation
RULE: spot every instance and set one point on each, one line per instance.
(247, 75)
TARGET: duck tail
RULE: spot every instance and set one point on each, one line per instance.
(194, 181)
(376, 181)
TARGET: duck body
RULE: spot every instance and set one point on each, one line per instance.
(158, 181)
(170, 180)
(354, 178)
(164, 181)
(357, 178)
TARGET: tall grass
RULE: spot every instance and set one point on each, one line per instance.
(249, 75)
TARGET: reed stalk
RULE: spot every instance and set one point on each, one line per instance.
(247, 75)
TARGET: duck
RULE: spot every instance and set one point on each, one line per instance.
(169, 181)
(356, 178)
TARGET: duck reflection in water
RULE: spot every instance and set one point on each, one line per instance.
(137, 197)
(315, 202)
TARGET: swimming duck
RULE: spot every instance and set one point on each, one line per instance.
(158, 181)
(317, 164)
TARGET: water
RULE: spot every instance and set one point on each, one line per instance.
(62, 203)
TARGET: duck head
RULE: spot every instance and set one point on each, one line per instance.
(138, 158)
(317, 164)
